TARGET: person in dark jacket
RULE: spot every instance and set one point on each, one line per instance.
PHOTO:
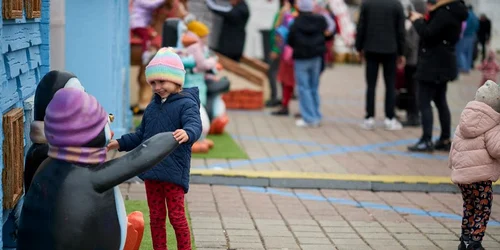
(172, 109)
(380, 39)
(484, 34)
(437, 65)
(231, 41)
(307, 39)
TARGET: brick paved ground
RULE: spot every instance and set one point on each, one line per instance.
(275, 144)
(226, 217)
(241, 218)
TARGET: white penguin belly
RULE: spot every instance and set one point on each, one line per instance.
(122, 215)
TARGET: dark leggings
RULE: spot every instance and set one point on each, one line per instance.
(478, 198)
(434, 91)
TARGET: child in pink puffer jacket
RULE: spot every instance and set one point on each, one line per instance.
(475, 162)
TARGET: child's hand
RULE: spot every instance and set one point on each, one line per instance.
(113, 145)
(181, 136)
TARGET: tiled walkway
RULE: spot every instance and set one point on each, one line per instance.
(225, 217)
(340, 145)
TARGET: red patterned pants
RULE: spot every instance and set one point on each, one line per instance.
(157, 193)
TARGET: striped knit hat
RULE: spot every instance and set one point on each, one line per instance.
(166, 65)
(73, 118)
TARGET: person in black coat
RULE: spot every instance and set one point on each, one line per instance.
(484, 34)
(437, 66)
(380, 39)
(231, 41)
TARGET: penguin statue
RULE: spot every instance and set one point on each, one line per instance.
(45, 90)
(74, 201)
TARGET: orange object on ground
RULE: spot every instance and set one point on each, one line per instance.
(210, 143)
(200, 147)
(218, 125)
(135, 231)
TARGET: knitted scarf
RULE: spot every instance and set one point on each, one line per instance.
(78, 154)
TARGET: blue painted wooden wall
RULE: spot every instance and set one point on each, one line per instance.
(97, 51)
(25, 59)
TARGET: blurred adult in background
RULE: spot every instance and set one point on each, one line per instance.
(232, 37)
(466, 44)
(484, 34)
(436, 66)
(380, 39)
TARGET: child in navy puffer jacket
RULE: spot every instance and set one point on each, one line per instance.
(172, 109)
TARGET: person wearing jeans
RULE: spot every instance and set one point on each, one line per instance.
(380, 39)
(307, 39)
(307, 73)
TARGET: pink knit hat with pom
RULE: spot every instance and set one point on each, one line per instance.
(73, 118)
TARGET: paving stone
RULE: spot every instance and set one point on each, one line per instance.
(447, 244)
(410, 236)
(376, 236)
(245, 245)
(318, 247)
(279, 242)
(402, 230)
(309, 234)
(211, 238)
(318, 241)
(210, 244)
(344, 236)
(348, 242)
(302, 222)
(382, 243)
(245, 239)
(244, 232)
(373, 229)
(436, 237)
(353, 247)
(414, 242)
(338, 229)
(300, 228)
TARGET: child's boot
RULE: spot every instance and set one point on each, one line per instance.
(474, 245)
(462, 245)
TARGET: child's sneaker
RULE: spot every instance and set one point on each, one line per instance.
(368, 124)
(462, 245)
(392, 124)
(475, 246)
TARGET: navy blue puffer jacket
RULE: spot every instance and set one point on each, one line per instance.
(179, 111)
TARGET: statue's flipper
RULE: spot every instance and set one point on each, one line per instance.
(142, 158)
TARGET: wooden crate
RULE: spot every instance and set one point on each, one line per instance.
(244, 99)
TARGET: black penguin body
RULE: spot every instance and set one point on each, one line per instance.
(79, 207)
(62, 211)
(47, 87)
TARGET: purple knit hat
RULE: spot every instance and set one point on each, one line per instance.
(73, 118)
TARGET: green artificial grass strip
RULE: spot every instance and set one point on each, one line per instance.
(224, 148)
(147, 243)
